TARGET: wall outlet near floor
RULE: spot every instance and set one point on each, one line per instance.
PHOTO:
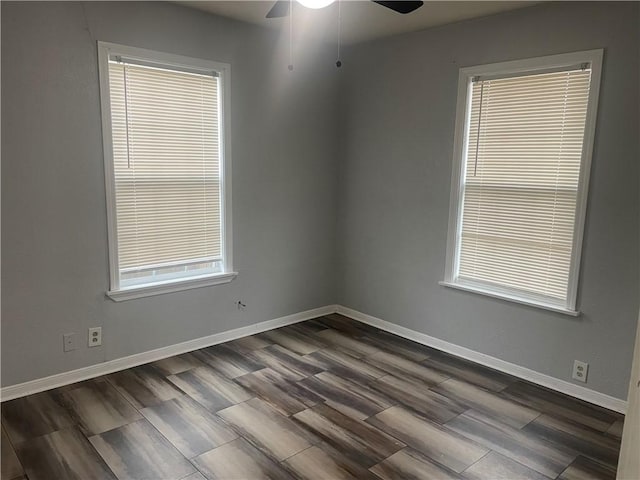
(68, 342)
(580, 370)
(95, 336)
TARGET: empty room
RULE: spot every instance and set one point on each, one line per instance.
(320, 239)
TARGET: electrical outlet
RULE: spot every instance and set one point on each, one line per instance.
(95, 336)
(68, 342)
(580, 370)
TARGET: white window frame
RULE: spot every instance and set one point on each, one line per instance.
(527, 66)
(107, 50)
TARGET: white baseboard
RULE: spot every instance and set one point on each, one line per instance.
(538, 378)
(85, 373)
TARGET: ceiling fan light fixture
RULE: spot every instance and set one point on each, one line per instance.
(316, 3)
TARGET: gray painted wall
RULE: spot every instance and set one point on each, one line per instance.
(399, 105)
(340, 185)
(54, 255)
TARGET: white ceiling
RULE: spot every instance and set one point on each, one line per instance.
(361, 19)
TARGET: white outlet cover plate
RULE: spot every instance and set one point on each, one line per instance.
(580, 370)
(95, 336)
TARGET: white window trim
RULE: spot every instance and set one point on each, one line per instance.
(593, 57)
(105, 51)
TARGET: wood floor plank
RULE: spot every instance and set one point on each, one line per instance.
(584, 468)
(287, 363)
(276, 435)
(345, 396)
(285, 396)
(209, 388)
(469, 372)
(588, 442)
(324, 462)
(357, 440)
(39, 414)
(177, 364)
(248, 344)
(98, 407)
(436, 442)
(401, 367)
(534, 452)
(509, 412)
(309, 327)
(10, 466)
(347, 325)
(415, 395)
(560, 405)
(239, 460)
(194, 476)
(497, 467)
(191, 428)
(64, 454)
(346, 343)
(408, 464)
(293, 340)
(391, 343)
(346, 366)
(144, 386)
(615, 430)
(228, 361)
(138, 451)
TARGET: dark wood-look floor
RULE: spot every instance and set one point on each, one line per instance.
(325, 399)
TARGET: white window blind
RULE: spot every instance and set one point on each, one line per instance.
(166, 164)
(524, 147)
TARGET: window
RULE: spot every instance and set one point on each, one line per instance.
(165, 126)
(522, 153)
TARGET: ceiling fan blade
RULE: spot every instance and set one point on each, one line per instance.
(400, 6)
(279, 9)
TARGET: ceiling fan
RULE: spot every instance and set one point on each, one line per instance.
(281, 7)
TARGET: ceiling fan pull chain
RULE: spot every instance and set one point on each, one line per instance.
(290, 35)
(339, 62)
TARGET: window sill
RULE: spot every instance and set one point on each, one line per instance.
(511, 298)
(160, 288)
